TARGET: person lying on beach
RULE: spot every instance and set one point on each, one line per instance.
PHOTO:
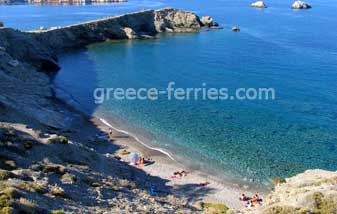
(256, 200)
(204, 184)
(243, 197)
(140, 162)
(180, 173)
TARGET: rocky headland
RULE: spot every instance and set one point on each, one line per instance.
(54, 159)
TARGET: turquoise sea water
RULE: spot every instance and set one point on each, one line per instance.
(294, 52)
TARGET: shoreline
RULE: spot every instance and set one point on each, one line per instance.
(223, 191)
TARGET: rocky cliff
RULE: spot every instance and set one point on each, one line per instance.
(310, 192)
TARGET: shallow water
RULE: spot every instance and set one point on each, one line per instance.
(292, 51)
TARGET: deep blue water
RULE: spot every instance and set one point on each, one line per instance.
(294, 52)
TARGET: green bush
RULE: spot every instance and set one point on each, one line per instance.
(215, 208)
(59, 139)
(322, 205)
(57, 212)
(68, 178)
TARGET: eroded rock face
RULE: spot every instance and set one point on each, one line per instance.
(208, 21)
(313, 191)
(131, 34)
(300, 5)
(176, 20)
(258, 4)
(20, 46)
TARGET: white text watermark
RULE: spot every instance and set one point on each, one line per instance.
(178, 93)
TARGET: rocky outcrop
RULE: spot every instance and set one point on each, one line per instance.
(258, 4)
(313, 191)
(176, 21)
(40, 47)
(300, 5)
(128, 26)
(208, 21)
(23, 47)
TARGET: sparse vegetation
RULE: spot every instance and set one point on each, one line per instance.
(59, 139)
(280, 210)
(91, 181)
(214, 208)
(5, 174)
(322, 205)
(7, 164)
(68, 178)
(57, 212)
(279, 180)
(63, 139)
(31, 187)
(58, 191)
(115, 188)
(54, 168)
(26, 206)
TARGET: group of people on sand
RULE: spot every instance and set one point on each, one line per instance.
(251, 201)
(179, 174)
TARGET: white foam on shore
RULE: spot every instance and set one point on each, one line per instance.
(137, 139)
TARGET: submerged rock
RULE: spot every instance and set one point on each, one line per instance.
(208, 21)
(300, 5)
(258, 4)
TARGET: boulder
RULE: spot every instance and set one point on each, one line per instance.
(208, 21)
(300, 5)
(258, 4)
(235, 29)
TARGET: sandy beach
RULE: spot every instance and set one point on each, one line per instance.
(218, 190)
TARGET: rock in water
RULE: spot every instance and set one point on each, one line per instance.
(208, 21)
(258, 4)
(300, 5)
(235, 29)
(2, 24)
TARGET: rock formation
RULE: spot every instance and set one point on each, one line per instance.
(300, 5)
(208, 21)
(258, 4)
(235, 29)
(313, 191)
